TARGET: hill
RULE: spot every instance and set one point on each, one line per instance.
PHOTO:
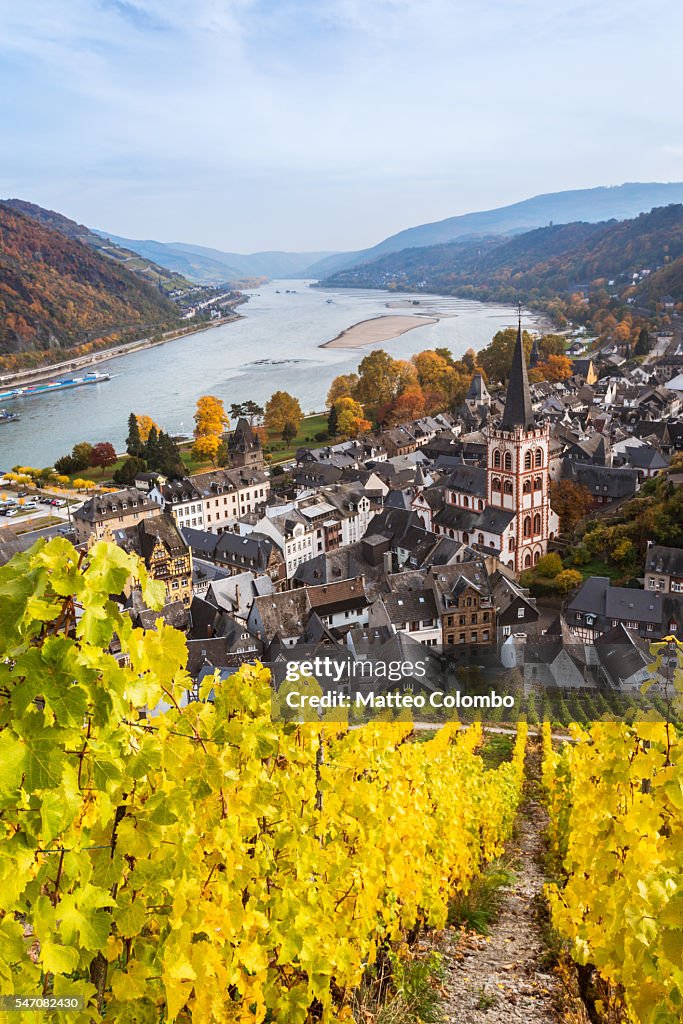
(212, 266)
(540, 264)
(592, 205)
(149, 271)
(57, 293)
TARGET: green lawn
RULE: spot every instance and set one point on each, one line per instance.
(596, 567)
(281, 451)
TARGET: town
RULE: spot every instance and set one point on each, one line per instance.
(438, 532)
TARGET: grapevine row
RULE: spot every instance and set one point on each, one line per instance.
(615, 798)
(209, 864)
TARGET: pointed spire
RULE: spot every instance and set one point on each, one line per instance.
(535, 357)
(517, 412)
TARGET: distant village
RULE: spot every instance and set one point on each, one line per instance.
(417, 536)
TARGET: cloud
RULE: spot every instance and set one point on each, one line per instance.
(327, 122)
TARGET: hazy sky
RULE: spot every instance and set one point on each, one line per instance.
(328, 124)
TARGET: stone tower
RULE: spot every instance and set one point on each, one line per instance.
(517, 475)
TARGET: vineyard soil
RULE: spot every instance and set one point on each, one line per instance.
(506, 977)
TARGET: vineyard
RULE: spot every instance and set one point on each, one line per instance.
(206, 863)
(615, 798)
(202, 862)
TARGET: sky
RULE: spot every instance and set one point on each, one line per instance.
(328, 124)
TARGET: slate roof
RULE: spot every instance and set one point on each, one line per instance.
(468, 480)
(175, 491)
(618, 655)
(110, 506)
(614, 481)
(517, 411)
(10, 544)
(664, 560)
(144, 536)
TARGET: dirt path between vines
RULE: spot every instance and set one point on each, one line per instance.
(507, 977)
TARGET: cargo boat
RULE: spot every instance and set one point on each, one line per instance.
(29, 390)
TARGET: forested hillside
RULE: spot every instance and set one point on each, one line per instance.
(57, 293)
(541, 264)
(133, 261)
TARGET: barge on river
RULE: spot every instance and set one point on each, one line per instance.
(29, 390)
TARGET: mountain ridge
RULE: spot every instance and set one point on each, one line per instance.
(60, 295)
(205, 265)
(153, 273)
(640, 256)
(604, 202)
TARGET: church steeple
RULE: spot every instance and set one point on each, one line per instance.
(517, 412)
(535, 356)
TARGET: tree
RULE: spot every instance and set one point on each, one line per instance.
(333, 422)
(643, 343)
(103, 455)
(80, 455)
(549, 565)
(409, 405)
(571, 501)
(126, 473)
(379, 379)
(145, 424)
(206, 447)
(343, 386)
(552, 345)
(568, 580)
(289, 431)
(248, 409)
(152, 449)
(496, 358)
(210, 417)
(350, 418)
(554, 369)
(133, 440)
(282, 409)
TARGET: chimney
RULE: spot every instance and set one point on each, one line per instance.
(388, 563)
(237, 597)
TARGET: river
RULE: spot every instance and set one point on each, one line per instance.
(274, 346)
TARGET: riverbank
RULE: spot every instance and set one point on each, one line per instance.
(37, 374)
(381, 328)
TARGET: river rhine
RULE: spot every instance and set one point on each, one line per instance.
(274, 346)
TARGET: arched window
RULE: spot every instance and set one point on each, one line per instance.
(495, 483)
(511, 544)
(496, 459)
(527, 460)
(526, 487)
(527, 526)
(539, 457)
(507, 487)
(508, 460)
(466, 501)
(527, 561)
(480, 538)
(537, 523)
(538, 484)
(537, 555)
(465, 538)
(481, 501)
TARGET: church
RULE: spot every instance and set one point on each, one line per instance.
(503, 507)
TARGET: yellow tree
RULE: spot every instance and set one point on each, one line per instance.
(380, 380)
(350, 418)
(145, 424)
(343, 386)
(206, 448)
(210, 417)
(283, 413)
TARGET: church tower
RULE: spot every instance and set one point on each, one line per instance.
(517, 477)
